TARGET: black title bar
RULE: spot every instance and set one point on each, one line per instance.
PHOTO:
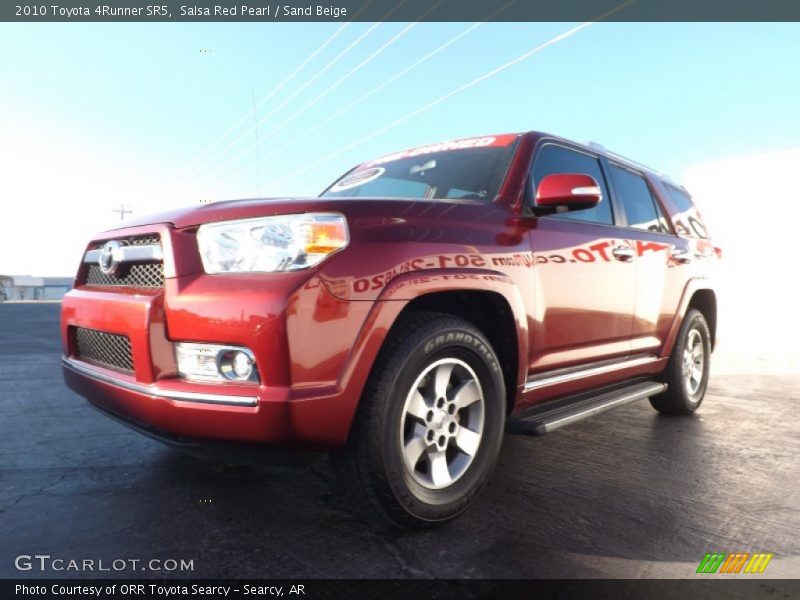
(382, 589)
(398, 10)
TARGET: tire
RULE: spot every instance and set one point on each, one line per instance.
(686, 379)
(391, 468)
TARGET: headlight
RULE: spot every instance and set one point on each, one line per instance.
(282, 243)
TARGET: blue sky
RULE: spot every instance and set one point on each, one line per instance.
(106, 112)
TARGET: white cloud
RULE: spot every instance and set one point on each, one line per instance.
(57, 188)
(752, 206)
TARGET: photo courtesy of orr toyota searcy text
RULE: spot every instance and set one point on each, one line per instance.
(135, 590)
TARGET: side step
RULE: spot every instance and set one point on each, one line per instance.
(552, 415)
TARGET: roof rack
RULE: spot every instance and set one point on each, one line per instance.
(603, 149)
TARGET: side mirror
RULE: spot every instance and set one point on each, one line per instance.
(567, 191)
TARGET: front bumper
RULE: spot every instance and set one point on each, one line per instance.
(257, 454)
(300, 334)
(169, 407)
(127, 384)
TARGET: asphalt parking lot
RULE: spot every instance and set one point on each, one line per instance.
(626, 494)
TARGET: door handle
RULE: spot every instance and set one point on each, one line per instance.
(681, 256)
(623, 253)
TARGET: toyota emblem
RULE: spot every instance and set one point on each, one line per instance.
(110, 257)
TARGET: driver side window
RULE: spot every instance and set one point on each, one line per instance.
(557, 159)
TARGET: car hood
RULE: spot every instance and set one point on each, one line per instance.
(230, 209)
(266, 207)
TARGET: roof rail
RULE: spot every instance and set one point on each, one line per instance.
(603, 149)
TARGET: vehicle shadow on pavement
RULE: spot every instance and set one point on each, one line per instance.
(626, 494)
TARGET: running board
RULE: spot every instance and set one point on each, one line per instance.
(553, 415)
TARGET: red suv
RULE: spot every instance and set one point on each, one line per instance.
(423, 304)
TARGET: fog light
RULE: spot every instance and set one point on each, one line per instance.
(242, 365)
(214, 362)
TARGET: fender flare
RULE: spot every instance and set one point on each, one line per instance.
(409, 286)
(694, 285)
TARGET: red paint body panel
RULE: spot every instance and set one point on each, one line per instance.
(315, 333)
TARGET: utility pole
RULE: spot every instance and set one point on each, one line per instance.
(258, 157)
(122, 211)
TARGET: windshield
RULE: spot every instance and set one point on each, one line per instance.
(468, 169)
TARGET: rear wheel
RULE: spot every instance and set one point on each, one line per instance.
(429, 426)
(688, 368)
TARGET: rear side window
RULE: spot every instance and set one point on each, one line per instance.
(687, 220)
(641, 209)
(557, 159)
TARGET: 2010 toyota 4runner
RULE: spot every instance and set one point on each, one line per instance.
(422, 305)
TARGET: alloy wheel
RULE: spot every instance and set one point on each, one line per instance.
(693, 362)
(442, 423)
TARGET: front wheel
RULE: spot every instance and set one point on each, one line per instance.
(688, 368)
(430, 424)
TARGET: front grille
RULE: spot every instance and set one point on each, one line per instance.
(148, 239)
(106, 349)
(151, 239)
(144, 274)
(136, 275)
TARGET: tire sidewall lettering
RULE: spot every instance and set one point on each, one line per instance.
(428, 502)
(467, 339)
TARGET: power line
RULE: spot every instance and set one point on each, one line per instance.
(274, 91)
(466, 86)
(376, 89)
(306, 84)
(285, 101)
(297, 113)
(329, 89)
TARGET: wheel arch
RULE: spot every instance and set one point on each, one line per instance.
(700, 295)
(705, 301)
(488, 311)
(466, 293)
